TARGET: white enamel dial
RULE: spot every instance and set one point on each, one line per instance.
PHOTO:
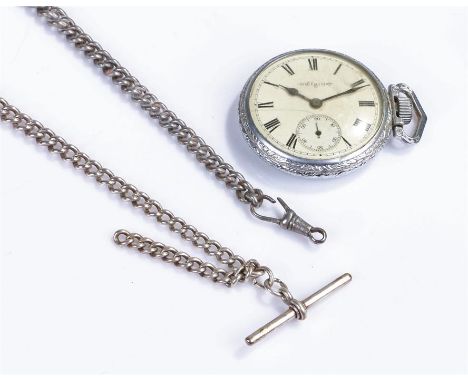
(316, 105)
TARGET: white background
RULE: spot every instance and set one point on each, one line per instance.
(71, 301)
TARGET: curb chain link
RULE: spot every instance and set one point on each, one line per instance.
(250, 270)
(128, 84)
(240, 270)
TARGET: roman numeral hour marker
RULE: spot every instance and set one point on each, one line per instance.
(291, 143)
(313, 65)
(357, 83)
(288, 69)
(272, 125)
(265, 104)
(367, 103)
(357, 122)
(346, 141)
(336, 70)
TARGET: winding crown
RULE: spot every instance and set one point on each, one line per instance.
(404, 108)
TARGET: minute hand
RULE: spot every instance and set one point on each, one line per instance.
(349, 91)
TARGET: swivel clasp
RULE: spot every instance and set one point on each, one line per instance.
(291, 221)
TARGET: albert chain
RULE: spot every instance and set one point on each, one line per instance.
(186, 136)
(238, 270)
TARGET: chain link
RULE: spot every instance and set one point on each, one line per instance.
(250, 270)
(167, 119)
(172, 255)
(239, 269)
(128, 84)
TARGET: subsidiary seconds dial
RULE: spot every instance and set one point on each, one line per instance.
(289, 94)
(318, 133)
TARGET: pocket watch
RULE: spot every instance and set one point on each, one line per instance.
(322, 113)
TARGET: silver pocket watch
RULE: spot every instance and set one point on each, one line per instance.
(321, 113)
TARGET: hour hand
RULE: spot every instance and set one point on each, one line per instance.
(290, 91)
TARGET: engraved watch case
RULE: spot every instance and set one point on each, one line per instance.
(314, 167)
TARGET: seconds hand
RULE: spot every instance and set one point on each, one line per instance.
(318, 133)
